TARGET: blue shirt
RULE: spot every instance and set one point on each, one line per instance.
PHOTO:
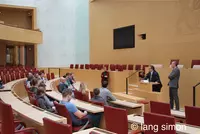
(70, 106)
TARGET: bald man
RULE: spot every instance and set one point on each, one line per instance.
(174, 85)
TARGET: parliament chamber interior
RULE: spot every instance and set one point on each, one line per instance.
(99, 67)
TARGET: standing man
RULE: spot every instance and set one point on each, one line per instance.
(104, 75)
(173, 85)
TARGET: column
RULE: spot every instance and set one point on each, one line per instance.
(22, 55)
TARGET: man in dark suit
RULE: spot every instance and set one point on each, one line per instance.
(174, 85)
(153, 76)
(104, 75)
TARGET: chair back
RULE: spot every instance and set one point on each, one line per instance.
(76, 66)
(48, 76)
(158, 122)
(160, 108)
(192, 115)
(137, 67)
(130, 67)
(7, 124)
(52, 76)
(124, 67)
(52, 127)
(91, 94)
(97, 103)
(114, 115)
(78, 95)
(87, 66)
(71, 66)
(195, 62)
(81, 66)
(62, 111)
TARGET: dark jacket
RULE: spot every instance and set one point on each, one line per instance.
(42, 103)
(154, 78)
(99, 99)
(105, 76)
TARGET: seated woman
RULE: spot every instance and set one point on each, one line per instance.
(42, 100)
(97, 97)
(84, 91)
(34, 85)
(76, 114)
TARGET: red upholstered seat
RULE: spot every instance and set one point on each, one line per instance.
(160, 108)
(71, 66)
(62, 111)
(76, 66)
(52, 76)
(114, 115)
(78, 95)
(87, 66)
(48, 76)
(97, 103)
(124, 67)
(112, 67)
(81, 66)
(53, 127)
(106, 66)
(192, 115)
(130, 67)
(138, 67)
(100, 67)
(8, 124)
(120, 68)
(195, 62)
(92, 66)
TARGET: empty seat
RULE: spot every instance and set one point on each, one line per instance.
(52, 76)
(124, 67)
(195, 62)
(53, 127)
(112, 67)
(130, 67)
(192, 115)
(87, 66)
(120, 68)
(137, 67)
(48, 76)
(77, 66)
(71, 66)
(81, 66)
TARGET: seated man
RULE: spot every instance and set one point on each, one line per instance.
(29, 79)
(34, 85)
(76, 114)
(153, 76)
(42, 77)
(42, 100)
(97, 97)
(62, 85)
(105, 93)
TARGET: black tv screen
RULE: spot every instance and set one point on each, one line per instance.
(124, 37)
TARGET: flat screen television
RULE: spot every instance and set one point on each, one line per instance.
(124, 37)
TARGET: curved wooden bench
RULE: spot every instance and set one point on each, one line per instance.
(31, 115)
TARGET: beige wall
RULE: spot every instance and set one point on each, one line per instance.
(2, 54)
(172, 29)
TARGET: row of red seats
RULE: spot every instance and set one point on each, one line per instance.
(112, 67)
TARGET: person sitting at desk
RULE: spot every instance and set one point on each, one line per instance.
(84, 91)
(62, 85)
(153, 76)
(42, 100)
(42, 77)
(29, 79)
(71, 78)
(1, 84)
(97, 97)
(76, 115)
(105, 93)
(68, 81)
(34, 85)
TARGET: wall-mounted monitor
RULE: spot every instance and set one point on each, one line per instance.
(124, 37)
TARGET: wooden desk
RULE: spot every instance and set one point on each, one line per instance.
(97, 130)
(8, 86)
(178, 114)
(92, 78)
(188, 128)
(50, 84)
(123, 96)
(28, 113)
(79, 104)
(130, 106)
